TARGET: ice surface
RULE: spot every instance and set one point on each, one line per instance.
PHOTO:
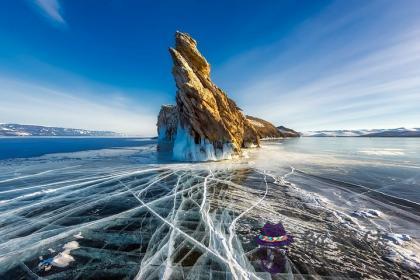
(79, 235)
(135, 218)
(383, 152)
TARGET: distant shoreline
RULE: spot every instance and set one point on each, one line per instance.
(362, 136)
(76, 136)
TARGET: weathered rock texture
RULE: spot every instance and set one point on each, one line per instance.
(288, 132)
(205, 124)
(264, 128)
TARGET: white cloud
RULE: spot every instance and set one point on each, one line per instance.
(51, 9)
(30, 103)
(324, 78)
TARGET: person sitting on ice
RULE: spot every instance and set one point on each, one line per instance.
(273, 241)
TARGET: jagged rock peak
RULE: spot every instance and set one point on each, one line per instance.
(205, 124)
(187, 47)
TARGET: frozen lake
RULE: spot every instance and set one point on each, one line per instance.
(112, 208)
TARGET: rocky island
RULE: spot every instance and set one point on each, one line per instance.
(205, 124)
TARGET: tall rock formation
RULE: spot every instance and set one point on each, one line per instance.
(204, 124)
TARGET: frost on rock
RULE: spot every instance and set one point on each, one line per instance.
(185, 148)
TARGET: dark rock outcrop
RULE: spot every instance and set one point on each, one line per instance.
(167, 126)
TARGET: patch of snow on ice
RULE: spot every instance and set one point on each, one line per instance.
(64, 258)
(72, 245)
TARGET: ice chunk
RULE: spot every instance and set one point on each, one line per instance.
(397, 238)
(369, 213)
(374, 212)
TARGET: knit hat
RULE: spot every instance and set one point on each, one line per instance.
(274, 235)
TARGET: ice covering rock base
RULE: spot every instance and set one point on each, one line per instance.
(175, 139)
(185, 148)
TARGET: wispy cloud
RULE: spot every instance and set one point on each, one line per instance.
(340, 69)
(33, 103)
(52, 10)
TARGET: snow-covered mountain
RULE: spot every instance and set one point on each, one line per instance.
(12, 129)
(393, 132)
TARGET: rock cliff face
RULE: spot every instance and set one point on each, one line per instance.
(204, 124)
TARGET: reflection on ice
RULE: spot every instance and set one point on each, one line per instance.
(122, 220)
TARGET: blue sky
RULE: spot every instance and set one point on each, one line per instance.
(309, 65)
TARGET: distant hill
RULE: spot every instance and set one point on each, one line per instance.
(288, 132)
(266, 129)
(13, 129)
(393, 132)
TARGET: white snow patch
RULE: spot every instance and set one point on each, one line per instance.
(64, 258)
(72, 245)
